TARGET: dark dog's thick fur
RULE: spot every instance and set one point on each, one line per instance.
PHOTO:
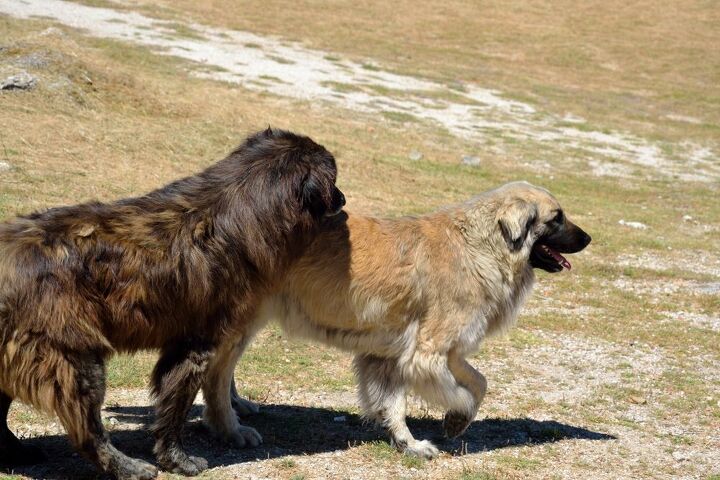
(178, 270)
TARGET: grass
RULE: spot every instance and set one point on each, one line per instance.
(468, 474)
(600, 60)
(131, 371)
(518, 463)
(401, 117)
(182, 31)
(110, 120)
(287, 463)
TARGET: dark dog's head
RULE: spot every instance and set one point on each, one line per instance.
(294, 174)
(533, 225)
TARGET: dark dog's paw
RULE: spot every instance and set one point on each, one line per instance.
(175, 460)
(135, 469)
(455, 423)
(200, 464)
(189, 466)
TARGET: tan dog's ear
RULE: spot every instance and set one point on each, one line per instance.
(515, 219)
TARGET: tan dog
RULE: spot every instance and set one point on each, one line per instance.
(413, 297)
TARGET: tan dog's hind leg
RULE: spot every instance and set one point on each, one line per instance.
(382, 398)
(456, 422)
(220, 415)
(242, 406)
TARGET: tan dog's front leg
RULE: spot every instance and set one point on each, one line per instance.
(382, 398)
(219, 414)
(456, 422)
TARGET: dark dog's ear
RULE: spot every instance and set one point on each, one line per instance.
(315, 195)
(515, 219)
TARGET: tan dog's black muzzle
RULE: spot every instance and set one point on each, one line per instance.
(566, 238)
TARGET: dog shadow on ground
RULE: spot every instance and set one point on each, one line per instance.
(291, 430)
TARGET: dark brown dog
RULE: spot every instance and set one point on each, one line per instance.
(178, 270)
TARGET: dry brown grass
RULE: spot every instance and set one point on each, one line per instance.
(613, 62)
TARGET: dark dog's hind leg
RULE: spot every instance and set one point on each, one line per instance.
(176, 379)
(80, 391)
(12, 451)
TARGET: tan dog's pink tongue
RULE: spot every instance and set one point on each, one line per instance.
(559, 258)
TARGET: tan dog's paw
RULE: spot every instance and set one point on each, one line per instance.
(455, 423)
(244, 437)
(244, 407)
(421, 449)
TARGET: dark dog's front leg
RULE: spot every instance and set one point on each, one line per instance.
(176, 379)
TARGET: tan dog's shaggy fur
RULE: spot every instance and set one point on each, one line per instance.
(413, 297)
(181, 269)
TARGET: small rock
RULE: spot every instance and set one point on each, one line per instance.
(113, 421)
(33, 60)
(21, 81)
(471, 160)
(680, 456)
(636, 225)
(637, 399)
(51, 31)
(4, 166)
(415, 156)
(340, 419)
(687, 218)
(712, 288)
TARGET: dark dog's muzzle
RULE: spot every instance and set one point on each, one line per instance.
(336, 204)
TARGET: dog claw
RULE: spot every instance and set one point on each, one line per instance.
(174, 460)
(245, 437)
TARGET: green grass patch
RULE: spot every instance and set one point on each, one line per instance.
(468, 474)
(272, 78)
(282, 60)
(401, 117)
(518, 463)
(341, 87)
(181, 30)
(380, 450)
(286, 464)
(130, 371)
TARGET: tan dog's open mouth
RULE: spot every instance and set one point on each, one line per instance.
(549, 256)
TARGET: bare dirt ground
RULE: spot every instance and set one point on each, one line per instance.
(614, 369)
(319, 434)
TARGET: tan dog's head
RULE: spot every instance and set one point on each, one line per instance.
(533, 225)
